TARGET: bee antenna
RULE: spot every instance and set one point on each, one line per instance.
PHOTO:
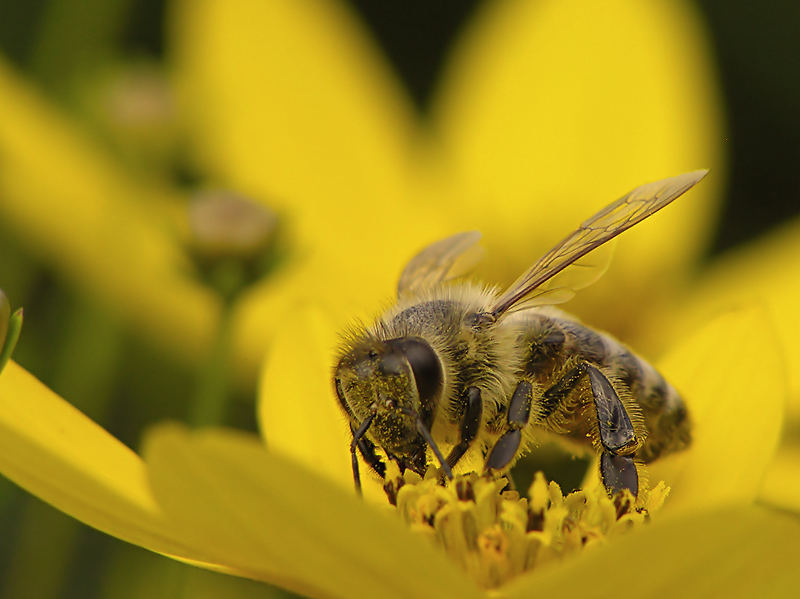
(357, 435)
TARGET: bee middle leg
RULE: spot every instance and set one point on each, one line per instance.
(468, 428)
(617, 435)
(519, 411)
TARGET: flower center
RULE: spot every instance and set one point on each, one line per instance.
(495, 535)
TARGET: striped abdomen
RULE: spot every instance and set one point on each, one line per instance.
(553, 343)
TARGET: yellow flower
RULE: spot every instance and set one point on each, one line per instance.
(288, 103)
(218, 499)
(508, 129)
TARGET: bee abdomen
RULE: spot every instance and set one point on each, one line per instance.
(553, 342)
(662, 408)
(586, 343)
(666, 418)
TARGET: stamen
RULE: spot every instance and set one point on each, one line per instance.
(495, 535)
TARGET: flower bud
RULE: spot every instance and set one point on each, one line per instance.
(138, 114)
(226, 225)
(232, 240)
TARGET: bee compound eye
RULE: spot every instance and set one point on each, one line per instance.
(424, 364)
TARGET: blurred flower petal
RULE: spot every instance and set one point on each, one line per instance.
(58, 454)
(111, 235)
(268, 519)
(551, 109)
(79, 213)
(291, 100)
(297, 408)
(291, 103)
(765, 271)
(730, 374)
(734, 552)
(781, 486)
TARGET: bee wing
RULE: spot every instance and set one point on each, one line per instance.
(561, 287)
(440, 261)
(619, 216)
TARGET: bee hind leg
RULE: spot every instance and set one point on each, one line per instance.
(619, 473)
(616, 433)
(519, 411)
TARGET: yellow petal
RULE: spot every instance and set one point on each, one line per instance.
(72, 207)
(291, 100)
(732, 552)
(298, 411)
(731, 376)
(349, 265)
(105, 232)
(270, 519)
(764, 271)
(52, 450)
(781, 486)
(552, 109)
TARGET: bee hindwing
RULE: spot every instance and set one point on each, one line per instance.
(441, 261)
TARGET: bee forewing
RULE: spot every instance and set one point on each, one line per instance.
(440, 261)
(561, 287)
(630, 209)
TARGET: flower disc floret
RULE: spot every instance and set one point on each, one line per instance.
(494, 534)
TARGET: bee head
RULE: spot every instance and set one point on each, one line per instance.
(397, 381)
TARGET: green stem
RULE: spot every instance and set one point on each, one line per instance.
(211, 395)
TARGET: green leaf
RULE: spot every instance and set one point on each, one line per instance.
(10, 329)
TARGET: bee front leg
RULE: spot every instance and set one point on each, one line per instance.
(367, 449)
(426, 435)
(469, 425)
(519, 411)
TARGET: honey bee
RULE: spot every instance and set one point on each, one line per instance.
(459, 367)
